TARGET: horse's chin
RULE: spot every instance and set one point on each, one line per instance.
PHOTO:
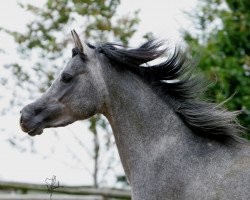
(39, 127)
(38, 130)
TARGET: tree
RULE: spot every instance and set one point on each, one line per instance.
(223, 38)
(48, 38)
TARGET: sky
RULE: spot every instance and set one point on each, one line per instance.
(52, 154)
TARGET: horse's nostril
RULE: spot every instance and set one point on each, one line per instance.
(38, 110)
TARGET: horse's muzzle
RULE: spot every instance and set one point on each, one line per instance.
(29, 122)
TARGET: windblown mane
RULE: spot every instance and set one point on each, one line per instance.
(174, 78)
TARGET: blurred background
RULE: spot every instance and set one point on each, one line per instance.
(35, 44)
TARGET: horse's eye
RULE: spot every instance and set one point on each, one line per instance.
(66, 78)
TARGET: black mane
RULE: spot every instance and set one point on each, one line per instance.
(175, 78)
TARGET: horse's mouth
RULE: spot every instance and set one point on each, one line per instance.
(37, 130)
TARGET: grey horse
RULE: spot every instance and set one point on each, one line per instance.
(172, 144)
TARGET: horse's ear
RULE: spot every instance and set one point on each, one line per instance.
(77, 41)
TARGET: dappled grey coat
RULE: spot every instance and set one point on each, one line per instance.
(172, 145)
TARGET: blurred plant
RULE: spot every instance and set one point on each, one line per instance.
(47, 37)
(223, 42)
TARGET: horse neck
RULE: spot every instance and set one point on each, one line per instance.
(143, 124)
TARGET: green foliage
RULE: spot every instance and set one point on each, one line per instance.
(122, 179)
(223, 41)
(97, 18)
